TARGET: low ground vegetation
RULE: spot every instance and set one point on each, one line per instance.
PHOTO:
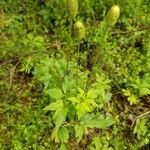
(75, 75)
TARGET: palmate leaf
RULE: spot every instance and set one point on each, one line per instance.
(132, 99)
(63, 134)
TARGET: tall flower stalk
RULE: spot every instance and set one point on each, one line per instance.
(79, 31)
(72, 10)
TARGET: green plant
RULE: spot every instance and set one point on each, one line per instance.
(142, 130)
(74, 78)
(68, 111)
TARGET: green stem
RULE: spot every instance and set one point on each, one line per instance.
(96, 60)
(102, 42)
(69, 53)
(68, 57)
(77, 68)
(71, 23)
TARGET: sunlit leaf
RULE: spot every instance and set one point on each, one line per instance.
(62, 147)
(144, 91)
(92, 102)
(126, 92)
(81, 92)
(79, 131)
(74, 99)
(63, 134)
(83, 108)
(54, 93)
(92, 93)
(55, 136)
(132, 99)
(60, 116)
(54, 106)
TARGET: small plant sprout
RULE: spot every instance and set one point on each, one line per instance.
(79, 31)
(112, 15)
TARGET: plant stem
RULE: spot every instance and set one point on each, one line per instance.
(77, 68)
(68, 57)
(69, 53)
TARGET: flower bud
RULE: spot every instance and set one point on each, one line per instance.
(72, 7)
(112, 15)
(79, 30)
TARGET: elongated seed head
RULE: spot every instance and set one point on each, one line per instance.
(112, 15)
(79, 30)
(72, 7)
